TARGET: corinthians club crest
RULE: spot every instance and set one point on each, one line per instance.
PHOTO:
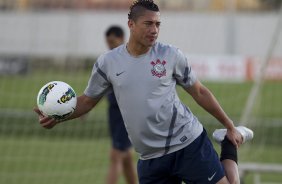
(158, 68)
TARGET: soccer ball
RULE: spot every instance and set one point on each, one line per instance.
(56, 99)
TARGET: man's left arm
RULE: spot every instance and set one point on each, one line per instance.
(206, 100)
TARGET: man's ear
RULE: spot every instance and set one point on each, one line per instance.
(130, 23)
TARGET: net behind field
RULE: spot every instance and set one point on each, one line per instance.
(77, 151)
(74, 152)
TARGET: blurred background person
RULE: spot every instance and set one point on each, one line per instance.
(121, 155)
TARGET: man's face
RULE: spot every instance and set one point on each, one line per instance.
(146, 28)
(113, 41)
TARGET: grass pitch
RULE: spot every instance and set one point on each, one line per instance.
(77, 151)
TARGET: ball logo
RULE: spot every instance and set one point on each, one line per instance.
(67, 96)
(158, 69)
(45, 92)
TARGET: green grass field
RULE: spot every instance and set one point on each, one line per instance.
(77, 151)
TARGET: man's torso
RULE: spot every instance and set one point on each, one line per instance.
(156, 120)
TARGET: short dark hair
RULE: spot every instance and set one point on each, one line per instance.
(115, 30)
(138, 7)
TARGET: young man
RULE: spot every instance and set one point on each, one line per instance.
(121, 159)
(172, 143)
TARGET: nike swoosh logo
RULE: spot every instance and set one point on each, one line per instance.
(210, 178)
(118, 74)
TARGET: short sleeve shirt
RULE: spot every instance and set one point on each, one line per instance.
(157, 121)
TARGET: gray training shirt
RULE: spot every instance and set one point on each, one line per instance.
(156, 121)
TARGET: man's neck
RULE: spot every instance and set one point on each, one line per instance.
(136, 49)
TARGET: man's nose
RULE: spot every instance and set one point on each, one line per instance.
(154, 29)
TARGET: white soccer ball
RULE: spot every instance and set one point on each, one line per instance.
(57, 99)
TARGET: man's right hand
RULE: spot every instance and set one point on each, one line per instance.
(45, 121)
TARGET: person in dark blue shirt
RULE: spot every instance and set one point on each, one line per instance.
(121, 158)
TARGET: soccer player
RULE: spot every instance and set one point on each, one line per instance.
(121, 158)
(172, 143)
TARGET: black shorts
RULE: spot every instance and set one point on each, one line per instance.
(198, 163)
(119, 136)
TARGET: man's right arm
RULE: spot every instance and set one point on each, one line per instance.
(83, 106)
